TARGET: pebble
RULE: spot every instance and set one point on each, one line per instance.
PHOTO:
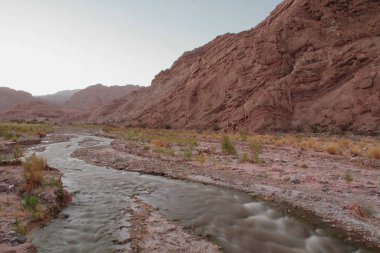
(294, 179)
(18, 240)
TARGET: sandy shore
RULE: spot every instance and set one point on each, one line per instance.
(307, 184)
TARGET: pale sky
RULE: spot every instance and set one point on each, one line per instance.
(52, 45)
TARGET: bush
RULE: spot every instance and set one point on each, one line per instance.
(17, 152)
(256, 148)
(34, 167)
(167, 126)
(348, 176)
(201, 158)
(374, 152)
(30, 202)
(227, 146)
(216, 128)
(355, 151)
(245, 158)
(243, 135)
(333, 148)
(188, 155)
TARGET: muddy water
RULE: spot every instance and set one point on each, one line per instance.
(97, 219)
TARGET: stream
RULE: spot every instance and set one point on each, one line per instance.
(97, 218)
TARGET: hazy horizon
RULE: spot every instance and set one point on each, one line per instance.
(49, 46)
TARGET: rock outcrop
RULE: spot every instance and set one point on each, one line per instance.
(311, 65)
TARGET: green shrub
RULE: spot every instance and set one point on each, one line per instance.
(227, 146)
(30, 202)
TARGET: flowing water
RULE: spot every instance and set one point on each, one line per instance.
(97, 219)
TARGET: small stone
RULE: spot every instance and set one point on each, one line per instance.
(18, 240)
(294, 179)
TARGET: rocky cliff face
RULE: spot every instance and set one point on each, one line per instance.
(10, 98)
(96, 96)
(311, 65)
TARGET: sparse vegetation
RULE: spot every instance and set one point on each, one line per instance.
(17, 152)
(227, 146)
(30, 202)
(256, 148)
(374, 152)
(188, 154)
(164, 151)
(243, 135)
(355, 150)
(12, 131)
(333, 148)
(19, 228)
(201, 158)
(34, 167)
(245, 158)
(348, 177)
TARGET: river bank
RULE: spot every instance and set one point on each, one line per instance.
(21, 209)
(308, 184)
(151, 232)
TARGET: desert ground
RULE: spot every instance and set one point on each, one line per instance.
(327, 181)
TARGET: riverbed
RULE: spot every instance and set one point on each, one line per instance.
(98, 220)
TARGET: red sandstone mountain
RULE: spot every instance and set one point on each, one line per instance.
(309, 65)
(59, 98)
(33, 110)
(60, 106)
(10, 98)
(97, 95)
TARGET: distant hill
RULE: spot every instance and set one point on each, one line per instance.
(10, 98)
(97, 95)
(32, 110)
(59, 98)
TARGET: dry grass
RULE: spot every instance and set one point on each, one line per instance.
(161, 143)
(165, 138)
(256, 148)
(12, 131)
(34, 167)
(355, 150)
(333, 148)
(228, 146)
(374, 152)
